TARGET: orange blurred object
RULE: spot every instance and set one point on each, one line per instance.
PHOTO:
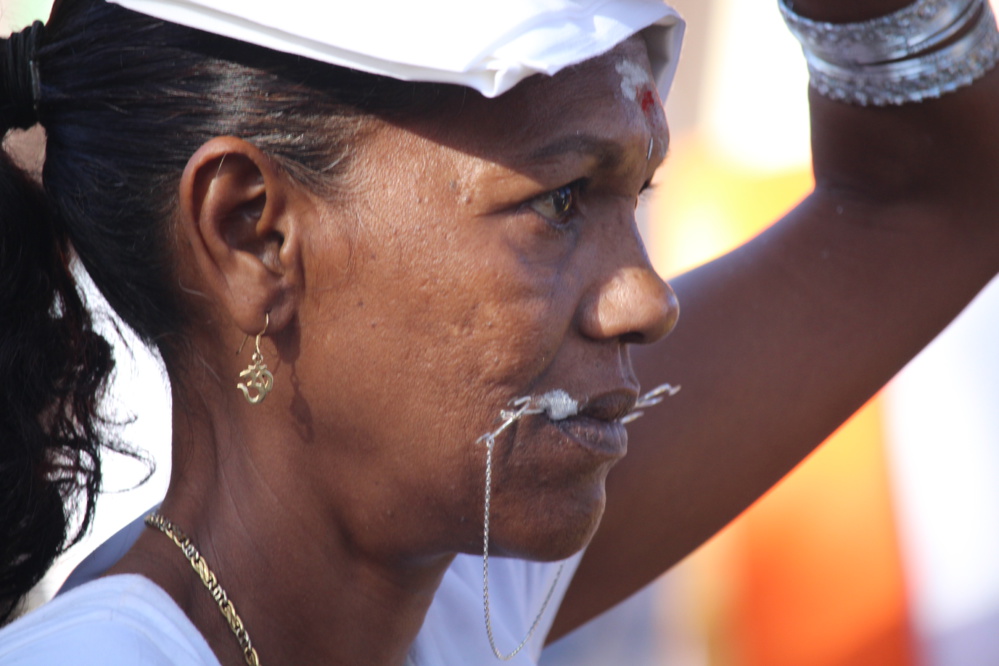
(817, 579)
(811, 575)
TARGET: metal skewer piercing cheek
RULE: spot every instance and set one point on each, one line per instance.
(653, 397)
(557, 405)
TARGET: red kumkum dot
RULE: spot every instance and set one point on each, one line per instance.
(648, 102)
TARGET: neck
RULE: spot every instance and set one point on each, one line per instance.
(306, 587)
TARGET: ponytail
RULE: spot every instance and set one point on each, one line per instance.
(53, 366)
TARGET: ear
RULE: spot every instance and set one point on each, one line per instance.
(242, 217)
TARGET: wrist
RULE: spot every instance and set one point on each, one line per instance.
(846, 11)
(924, 50)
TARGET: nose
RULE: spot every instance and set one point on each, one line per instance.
(632, 304)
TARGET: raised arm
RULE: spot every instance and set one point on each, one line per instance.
(781, 340)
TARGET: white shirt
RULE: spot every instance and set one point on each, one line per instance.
(127, 619)
(113, 621)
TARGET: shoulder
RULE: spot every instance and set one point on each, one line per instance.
(114, 620)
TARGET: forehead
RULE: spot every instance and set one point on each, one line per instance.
(611, 99)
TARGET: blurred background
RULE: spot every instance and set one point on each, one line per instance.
(881, 549)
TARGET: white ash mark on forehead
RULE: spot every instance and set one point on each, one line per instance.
(635, 79)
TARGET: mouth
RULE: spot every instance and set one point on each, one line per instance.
(596, 424)
(622, 405)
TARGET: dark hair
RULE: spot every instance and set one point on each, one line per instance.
(125, 100)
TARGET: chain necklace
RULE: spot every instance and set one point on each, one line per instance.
(211, 582)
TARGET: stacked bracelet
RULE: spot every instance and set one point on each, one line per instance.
(925, 50)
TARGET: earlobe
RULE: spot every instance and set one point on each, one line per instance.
(236, 211)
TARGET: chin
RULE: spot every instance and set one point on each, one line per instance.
(549, 529)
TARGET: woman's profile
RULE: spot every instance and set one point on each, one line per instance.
(390, 260)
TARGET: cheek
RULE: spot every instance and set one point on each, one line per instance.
(508, 342)
(458, 327)
(487, 318)
(438, 322)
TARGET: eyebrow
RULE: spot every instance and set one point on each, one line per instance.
(606, 152)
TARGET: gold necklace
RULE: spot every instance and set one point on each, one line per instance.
(211, 582)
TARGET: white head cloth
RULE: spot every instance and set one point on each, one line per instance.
(488, 45)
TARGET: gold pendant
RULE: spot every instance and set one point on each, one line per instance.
(259, 380)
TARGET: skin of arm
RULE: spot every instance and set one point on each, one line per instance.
(781, 340)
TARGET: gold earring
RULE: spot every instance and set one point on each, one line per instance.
(258, 377)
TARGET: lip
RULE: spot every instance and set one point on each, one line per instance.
(597, 427)
(610, 406)
(606, 439)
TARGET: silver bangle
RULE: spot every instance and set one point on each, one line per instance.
(911, 30)
(925, 50)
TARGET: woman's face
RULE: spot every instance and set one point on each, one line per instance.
(486, 253)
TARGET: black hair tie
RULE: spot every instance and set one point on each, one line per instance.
(20, 88)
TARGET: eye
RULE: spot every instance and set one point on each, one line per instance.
(557, 205)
